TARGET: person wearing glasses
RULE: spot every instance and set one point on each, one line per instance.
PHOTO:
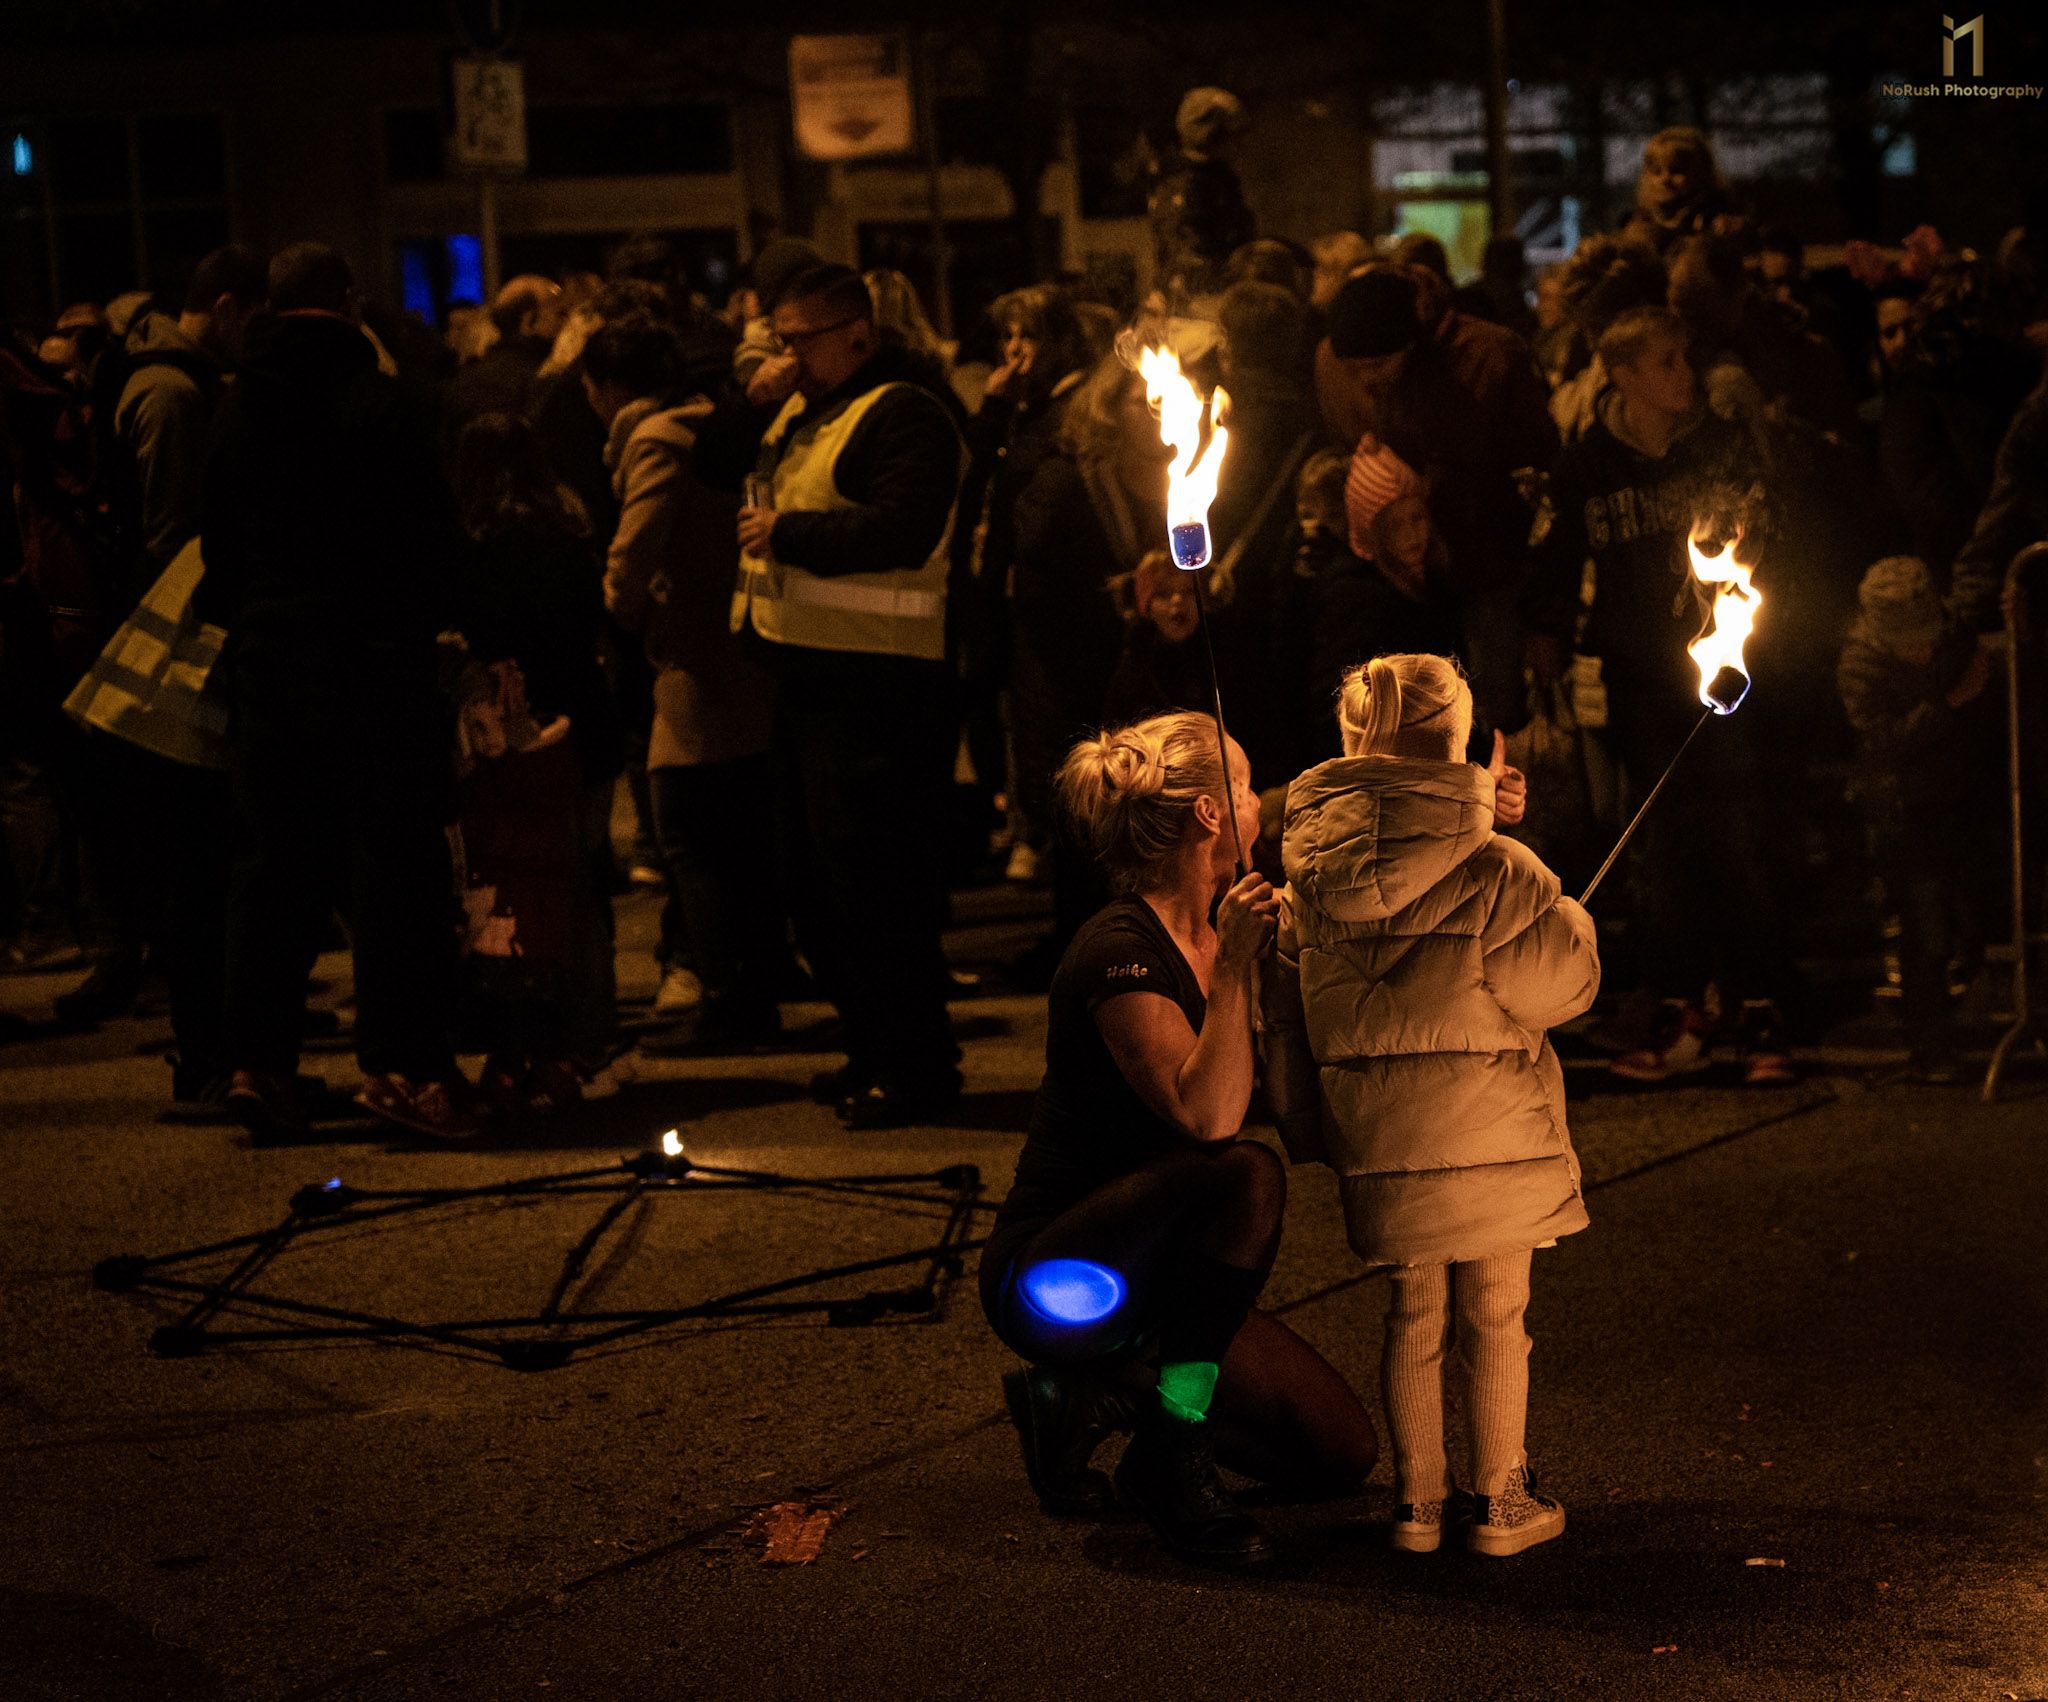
(851, 464)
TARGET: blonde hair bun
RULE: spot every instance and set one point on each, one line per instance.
(1130, 791)
(1407, 706)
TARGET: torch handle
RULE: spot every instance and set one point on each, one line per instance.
(1222, 747)
(1636, 821)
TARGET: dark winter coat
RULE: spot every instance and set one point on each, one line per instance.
(1340, 611)
(1467, 411)
(2015, 515)
(1199, 218)
(59, 606)
(1922, 763)
(501, 381)
(535, 597)
(572, 437)
(668, 577)
(162, 419)
(1938, 443)
(1009, 440)
(1066, 633)
(1273, 428)
(330, 533)
(1153, 676)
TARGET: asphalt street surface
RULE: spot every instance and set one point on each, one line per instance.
(1789, 1385)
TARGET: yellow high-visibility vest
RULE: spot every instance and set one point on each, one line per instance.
(898, 612)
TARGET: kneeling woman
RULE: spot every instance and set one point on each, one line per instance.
(1140, 1229)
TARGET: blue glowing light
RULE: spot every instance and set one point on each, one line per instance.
(24, 157)
(465, 268)
(331, 1186)
(416, 282)
(1073, 1291)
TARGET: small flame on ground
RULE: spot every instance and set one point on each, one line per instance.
(1197, 463)
(672, 1145)
(1736, 602)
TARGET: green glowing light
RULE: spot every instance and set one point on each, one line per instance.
(1186, 1388)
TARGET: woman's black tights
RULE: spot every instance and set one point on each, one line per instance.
(1193, 1236)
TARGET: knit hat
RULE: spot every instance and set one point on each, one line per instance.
(778, 264)
(1374, 314)
(1378, 478)
(1899, 604)
(1206, 117)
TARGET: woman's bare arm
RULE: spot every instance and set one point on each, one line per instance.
(1200, 1083)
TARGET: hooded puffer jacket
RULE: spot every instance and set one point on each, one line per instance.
(1421, 958)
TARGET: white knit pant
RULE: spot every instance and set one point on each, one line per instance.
(1471, 1314)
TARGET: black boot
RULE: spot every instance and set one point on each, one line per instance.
(1062, 1417)
(900, 1104)
(1169, 1474)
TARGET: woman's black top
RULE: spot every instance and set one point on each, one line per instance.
(1089, 1126)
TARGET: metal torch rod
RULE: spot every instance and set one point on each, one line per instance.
(1586, 897)
(1216, 700)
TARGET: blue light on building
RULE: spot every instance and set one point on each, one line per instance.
(416, 284)
(465, 268)
(24, 156)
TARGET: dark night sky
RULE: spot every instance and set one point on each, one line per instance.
(1624, 35)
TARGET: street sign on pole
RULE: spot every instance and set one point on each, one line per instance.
(490, 117)
(850, 95)
(489, 140)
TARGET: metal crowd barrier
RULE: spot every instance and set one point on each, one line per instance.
(2026, 1020)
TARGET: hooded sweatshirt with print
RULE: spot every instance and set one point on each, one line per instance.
(1421, 959)
(1628, 511)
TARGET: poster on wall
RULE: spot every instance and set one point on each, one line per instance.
(850, 95)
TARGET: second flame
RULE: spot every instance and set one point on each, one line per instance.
(1719, 648)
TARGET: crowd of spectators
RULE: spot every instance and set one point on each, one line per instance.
(834, 597)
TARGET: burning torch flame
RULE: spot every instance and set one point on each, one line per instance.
(1191, 479)
(672, 1145)
(1717, 652)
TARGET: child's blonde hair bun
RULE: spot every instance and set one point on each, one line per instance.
(1405, 706)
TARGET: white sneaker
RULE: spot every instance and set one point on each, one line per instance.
(1515, 1519)
(605, 1083)
(1418, 1527)
(680, 991)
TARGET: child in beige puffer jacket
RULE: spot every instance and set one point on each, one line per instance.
(1420, 960)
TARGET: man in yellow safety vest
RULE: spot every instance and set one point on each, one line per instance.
(842, 584)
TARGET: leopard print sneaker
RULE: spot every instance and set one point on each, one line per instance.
(1515, 1519)
(1418, 1527)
